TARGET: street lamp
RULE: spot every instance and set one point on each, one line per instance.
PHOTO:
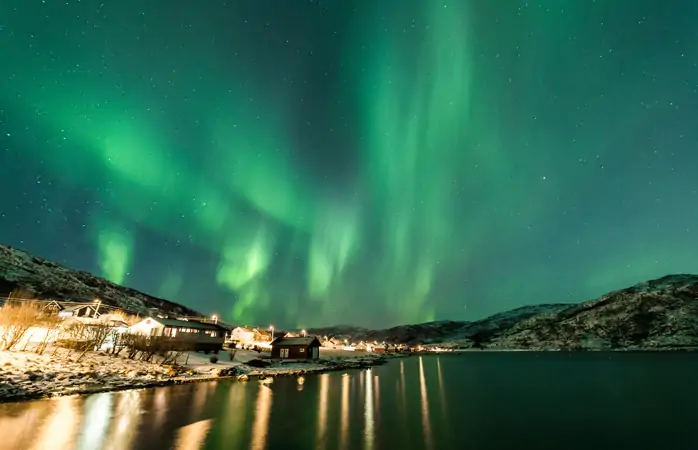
(304, 333)
(215, 318)
(271, 328)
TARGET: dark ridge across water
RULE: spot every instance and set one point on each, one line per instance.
(474, 401)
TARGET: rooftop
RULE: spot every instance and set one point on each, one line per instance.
(187, 324)
(299, 341)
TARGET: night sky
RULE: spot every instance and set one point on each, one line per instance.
(367, 162)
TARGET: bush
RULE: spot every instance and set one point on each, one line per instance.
(16, 318)
(213, 359)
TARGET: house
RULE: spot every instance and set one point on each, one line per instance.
(262, 335)
(295, 348)
(328, 344)
(206, 337)
(85, 310)
(53, 307)
(243, 335)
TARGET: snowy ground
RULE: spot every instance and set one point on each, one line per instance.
(26, 375)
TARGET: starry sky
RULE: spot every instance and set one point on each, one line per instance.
(370, 162)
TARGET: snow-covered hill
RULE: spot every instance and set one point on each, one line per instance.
(445, 332)
(48, 280)
(654, 315)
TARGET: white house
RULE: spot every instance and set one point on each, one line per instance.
(205, 336)
(243, 335)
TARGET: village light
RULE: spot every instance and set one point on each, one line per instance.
(271, 328)
(215, 318)
(304, 333)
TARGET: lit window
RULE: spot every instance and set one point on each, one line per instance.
(302, 350)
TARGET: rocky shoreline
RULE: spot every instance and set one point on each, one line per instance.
(27, 376)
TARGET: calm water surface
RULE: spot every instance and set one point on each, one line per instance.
(475, 401)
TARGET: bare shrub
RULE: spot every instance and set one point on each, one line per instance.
(139, 346)
(51, 324)
(21, 294)
(16, 318)
(85, 337)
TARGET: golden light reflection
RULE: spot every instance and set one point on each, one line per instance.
(403, 392)
(426, 420)
(442, 391)
(377, 393)
(234, 431)
(322, 410)
(344, 424)
(260, 428)
(160, 405)
(17, 431)
(368, 413)
(200, 396)
(126, 420)
(61, 427)
(193, 436)
(98, 409)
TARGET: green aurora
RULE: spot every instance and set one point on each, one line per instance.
(355, 162)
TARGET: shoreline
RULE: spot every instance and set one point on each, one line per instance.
(26, 376)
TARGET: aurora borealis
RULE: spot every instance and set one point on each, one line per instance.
(367, 162)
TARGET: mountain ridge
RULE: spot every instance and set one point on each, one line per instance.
(46, 279)
(658, 314)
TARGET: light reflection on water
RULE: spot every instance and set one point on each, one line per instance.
(192, 437)
(99, 409)
(368, 413)
(426, 417)
(260, 428)
(344, 423)
(322, 411)
(228, 415)
(428, 402)
(60, 426)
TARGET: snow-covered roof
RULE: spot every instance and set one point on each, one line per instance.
(186, 324)
(77, 307)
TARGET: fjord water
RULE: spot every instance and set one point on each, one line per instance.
(487, 400)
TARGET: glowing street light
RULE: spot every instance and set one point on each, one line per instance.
(271, 328)
(215, 318)
(304, 333)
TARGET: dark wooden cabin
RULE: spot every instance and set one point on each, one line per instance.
(295, 348)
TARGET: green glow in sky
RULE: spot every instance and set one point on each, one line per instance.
(115, 249)
(349, 162)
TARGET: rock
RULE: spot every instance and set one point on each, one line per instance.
(33, 376)
(258, 363)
